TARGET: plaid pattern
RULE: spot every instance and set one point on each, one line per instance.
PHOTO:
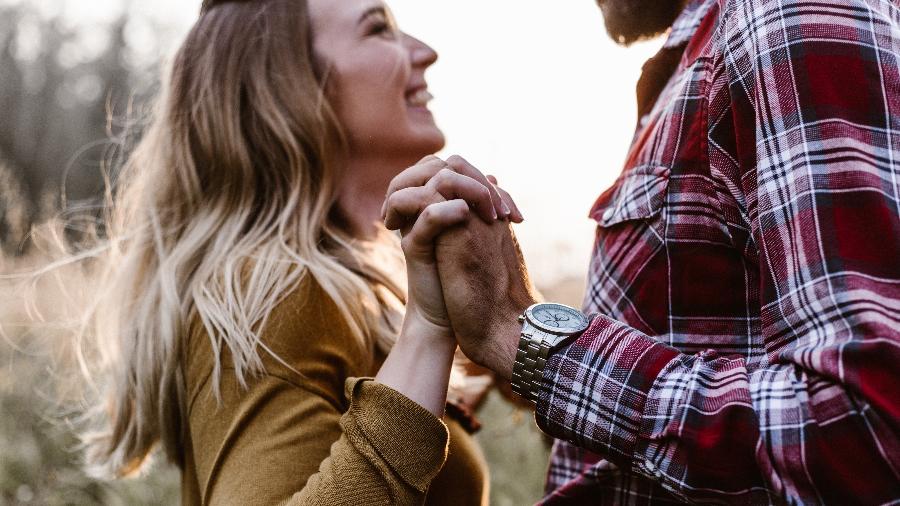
(747, 264)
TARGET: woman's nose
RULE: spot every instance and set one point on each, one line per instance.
(421, 54)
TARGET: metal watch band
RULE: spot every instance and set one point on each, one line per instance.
(528, 369)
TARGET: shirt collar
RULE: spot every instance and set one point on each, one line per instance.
(687, 22)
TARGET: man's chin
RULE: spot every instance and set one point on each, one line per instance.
(629, 21)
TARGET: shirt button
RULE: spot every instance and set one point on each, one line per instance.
(608, 214)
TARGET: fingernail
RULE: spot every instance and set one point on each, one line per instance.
(506, 210)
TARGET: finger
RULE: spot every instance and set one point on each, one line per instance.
(452, 185)
(436, 218)
(461, 165)
(516, 215)
(404, 205)
(417, 175)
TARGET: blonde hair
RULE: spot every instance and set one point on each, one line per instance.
(218, 213)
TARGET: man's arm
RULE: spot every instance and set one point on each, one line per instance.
(816, 96)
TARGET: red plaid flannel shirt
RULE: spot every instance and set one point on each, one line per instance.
(747, 270)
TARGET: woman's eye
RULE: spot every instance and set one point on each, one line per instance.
(382, 28)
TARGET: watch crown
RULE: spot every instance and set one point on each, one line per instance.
(521, 318)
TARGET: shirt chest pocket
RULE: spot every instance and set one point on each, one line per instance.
(629, 266)
(639, 194)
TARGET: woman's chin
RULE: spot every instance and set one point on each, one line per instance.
(434, 140)
(427, 143)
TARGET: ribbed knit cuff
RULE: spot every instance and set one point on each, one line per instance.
(408, 437)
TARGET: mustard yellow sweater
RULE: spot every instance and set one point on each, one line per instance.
(318, 435)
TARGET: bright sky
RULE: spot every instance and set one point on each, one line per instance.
(531, 91)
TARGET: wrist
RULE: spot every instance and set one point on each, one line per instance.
(546, 328)
(418, 327)
(418, 365)
(505, 339)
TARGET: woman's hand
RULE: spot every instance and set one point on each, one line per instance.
(425, 200)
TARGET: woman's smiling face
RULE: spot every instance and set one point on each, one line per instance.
(376, 79)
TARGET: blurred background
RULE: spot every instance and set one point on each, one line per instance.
(531, 91)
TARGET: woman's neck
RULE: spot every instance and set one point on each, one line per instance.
(362, 194)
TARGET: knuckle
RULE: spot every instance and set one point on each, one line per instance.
(456, 160)
(444, 177)
(435, 197)
(396, 202)
(392, 186)
(436, 164)
(392, 200)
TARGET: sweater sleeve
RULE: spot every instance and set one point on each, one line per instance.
(390, 450)
(280, 443)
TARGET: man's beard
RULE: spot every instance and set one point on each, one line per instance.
(629, 21)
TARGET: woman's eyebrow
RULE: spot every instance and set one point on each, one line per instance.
(378, 9)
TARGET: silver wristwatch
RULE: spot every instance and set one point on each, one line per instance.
(545, 328)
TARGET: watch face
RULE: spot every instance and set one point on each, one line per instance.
(557, 318)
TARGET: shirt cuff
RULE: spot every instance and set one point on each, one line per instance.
(594, 390)
(411, 440)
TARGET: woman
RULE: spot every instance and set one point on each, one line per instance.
(248, 280)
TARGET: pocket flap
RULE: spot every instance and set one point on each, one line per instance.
(638, 194)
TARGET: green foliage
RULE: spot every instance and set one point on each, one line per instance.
(516, 450)
(41, 464)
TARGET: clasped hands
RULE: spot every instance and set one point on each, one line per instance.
(466, 272)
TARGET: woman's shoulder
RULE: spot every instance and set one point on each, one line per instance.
(305, 340)
(308, 326)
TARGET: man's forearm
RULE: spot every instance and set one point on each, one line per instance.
(709, 428)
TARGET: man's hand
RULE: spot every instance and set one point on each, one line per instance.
(486, 287)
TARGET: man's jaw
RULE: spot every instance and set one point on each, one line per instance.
(629, 21)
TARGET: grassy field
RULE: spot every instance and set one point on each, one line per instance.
(39, 464)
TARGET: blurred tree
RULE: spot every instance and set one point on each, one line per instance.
(55, 101)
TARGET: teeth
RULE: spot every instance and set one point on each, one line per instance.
(419, 98)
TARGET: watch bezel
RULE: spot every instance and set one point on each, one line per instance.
(583, 319)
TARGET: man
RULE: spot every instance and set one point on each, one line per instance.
(746, 272)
